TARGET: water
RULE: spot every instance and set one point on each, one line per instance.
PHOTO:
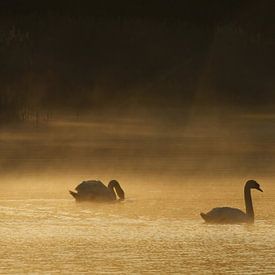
(157, 230)
(170, 173)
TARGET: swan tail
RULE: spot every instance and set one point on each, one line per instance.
(204, 216)
(74, 194)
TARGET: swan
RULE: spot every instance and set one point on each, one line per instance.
(233, 215)
(95, 190)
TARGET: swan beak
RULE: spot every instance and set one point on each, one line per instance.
(260, 189)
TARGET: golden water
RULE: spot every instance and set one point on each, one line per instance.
(170, 173)
(157, 229)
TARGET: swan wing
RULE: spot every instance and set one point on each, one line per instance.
(93, 189)
(225, 215)
(90, 186)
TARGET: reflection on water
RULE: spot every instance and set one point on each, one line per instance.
(155, 231)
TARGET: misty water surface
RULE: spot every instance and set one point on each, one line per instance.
(169, 174)
(234, 144)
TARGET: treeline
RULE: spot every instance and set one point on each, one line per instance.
(80, 62)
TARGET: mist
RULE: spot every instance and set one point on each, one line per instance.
(91, 91)
(141, 146)
(175, 101)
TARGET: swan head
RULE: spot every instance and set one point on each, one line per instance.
(252, 184)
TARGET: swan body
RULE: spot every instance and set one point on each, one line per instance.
(95, 190)
(228, 215)
(224, 215)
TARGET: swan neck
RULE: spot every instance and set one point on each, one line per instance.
(248, 203)
(111, 188)
(119, 192)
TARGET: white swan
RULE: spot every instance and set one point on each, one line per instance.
(234, 215)
(95, 190)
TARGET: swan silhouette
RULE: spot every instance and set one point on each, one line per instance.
(228, 215)
(95, 190)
